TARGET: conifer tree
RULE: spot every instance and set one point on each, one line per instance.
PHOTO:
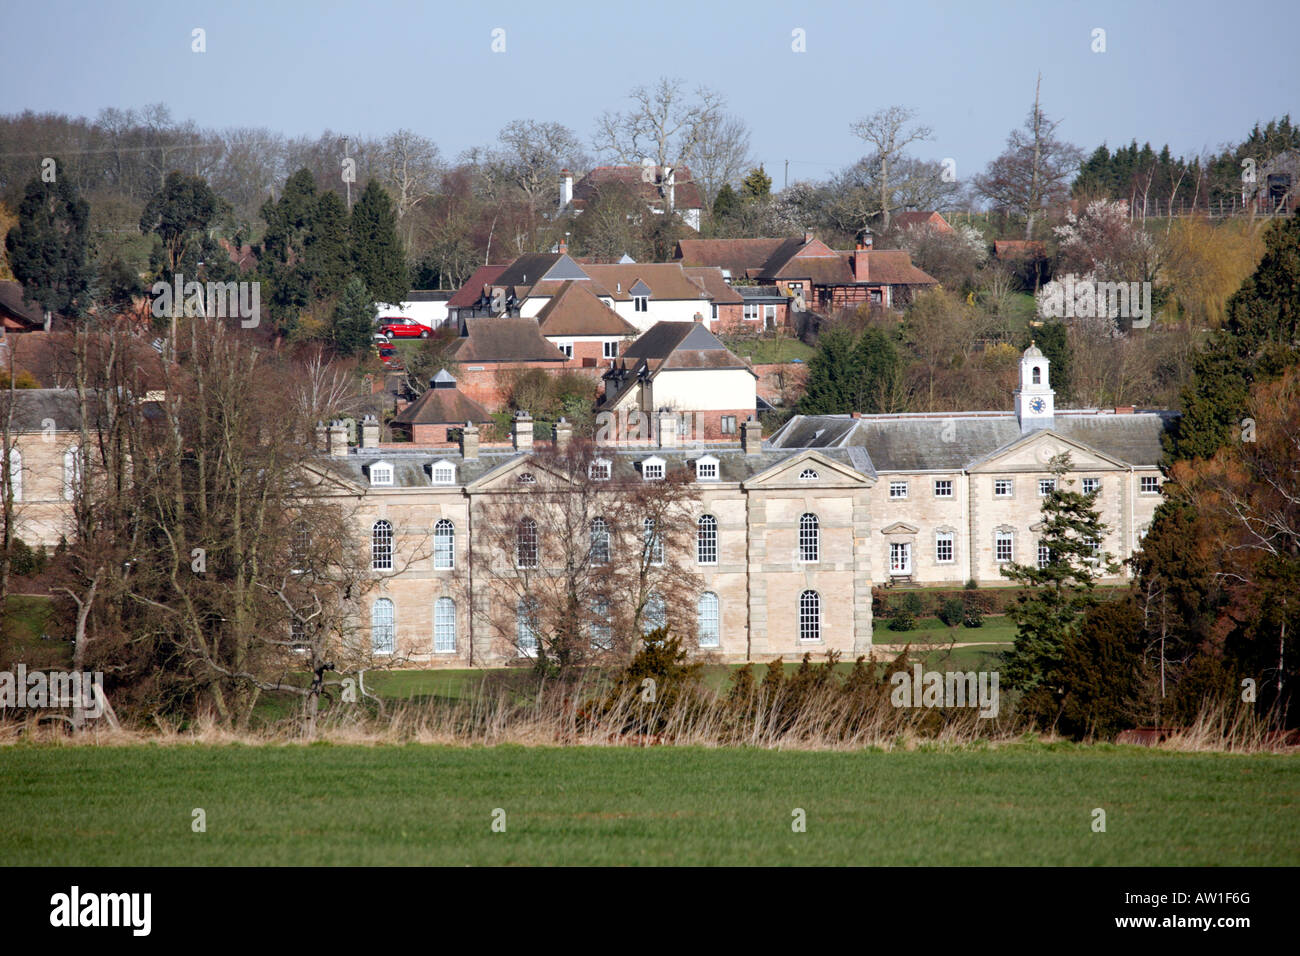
(1057, 593)
(832, 375)
(377, 253)
(353, 321)
(328, 253)
(48, 249)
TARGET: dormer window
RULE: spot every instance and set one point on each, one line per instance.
(652, 469)
(599, 470)
(443, 473)
(706, 468)
(809, 474)
(381, 474)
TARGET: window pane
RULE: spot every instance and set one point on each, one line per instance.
(381, 546)
(707, 540)
(381, 626)
(444, 545)
(809, 538)
(810, 616)
(708, 620)
(444, 625)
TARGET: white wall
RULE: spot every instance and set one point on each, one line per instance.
(704, 391)
(432, 314)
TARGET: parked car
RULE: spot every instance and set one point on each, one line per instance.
(405, 330)
(388, 355)
(380, 338)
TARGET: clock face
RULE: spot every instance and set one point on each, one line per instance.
(1037, 405)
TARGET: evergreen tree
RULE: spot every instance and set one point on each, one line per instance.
(757, 185)
(180, 215)
(353, 322)
(726, 203)
(281, 255)
(50, 245)
(376, 251)
(1056, 594)
(1101, 670)
(879, 370)
(327, 253)
(1259, 341)
(833, 374)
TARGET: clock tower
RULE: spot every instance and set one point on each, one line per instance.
(1035, 400)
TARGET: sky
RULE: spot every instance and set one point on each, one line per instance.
(1192, 73)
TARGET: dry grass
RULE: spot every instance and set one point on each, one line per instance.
(821, 718)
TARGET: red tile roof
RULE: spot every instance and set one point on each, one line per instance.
(442, 406)
(575, 310)
(505, 340)
(911, 218)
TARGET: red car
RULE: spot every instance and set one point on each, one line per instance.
(404, 330)
(388, 355)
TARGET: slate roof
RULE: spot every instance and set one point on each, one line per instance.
(411, 469)
(504, 340)
(32, 406)
(575, 310)
(937, 442)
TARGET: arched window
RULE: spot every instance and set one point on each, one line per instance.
(381, 626)
(444, 544)
(809, 474)
(653, 548)
(444, 626)
(71, 472)
(16, 472)
(708, 620)
(706, 540)
(810, 538)
(655, 613)
(381, 546)
(526, 626)
(1036, 376)
(599, 541)
(810, 616)
(526, 543)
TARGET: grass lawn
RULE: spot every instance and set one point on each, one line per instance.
(411, 805)
(24, 621)
(770, 351)
(997, 628)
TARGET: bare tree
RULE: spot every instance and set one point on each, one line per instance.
(888, 131)
(1033, 171)
(576, 561)
(410, 167)
(723, 156)
(665, 126)
(531, 155)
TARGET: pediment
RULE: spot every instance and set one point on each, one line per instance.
(900, 527)
(830, 474)
(507, 477)
(1033, 452)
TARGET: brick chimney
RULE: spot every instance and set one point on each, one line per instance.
(337, 440)
(566, 188)
(523, 431)
(807, 236)
(751, 437)
(370, 432)
(469, 442)
(861, 258)
(667, 422)
(563, 434)
(1124, 409)
(563, 248)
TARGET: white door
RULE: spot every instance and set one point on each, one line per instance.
(900, 558)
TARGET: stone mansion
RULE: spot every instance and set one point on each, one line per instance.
(792, 533)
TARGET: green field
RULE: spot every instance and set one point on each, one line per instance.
(410, 805)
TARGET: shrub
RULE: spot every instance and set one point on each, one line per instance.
(952, 611)
(974, 607)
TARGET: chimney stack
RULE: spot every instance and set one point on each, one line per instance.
(563, 434)
(667, 422)
(862, 257)
(807, 236)
(566, 188)
(564, 247)
(370, 432)
(337, 440)
(523, 431)
(469, 442)
(751, 437)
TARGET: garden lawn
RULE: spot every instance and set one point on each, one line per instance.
(1024, 804)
